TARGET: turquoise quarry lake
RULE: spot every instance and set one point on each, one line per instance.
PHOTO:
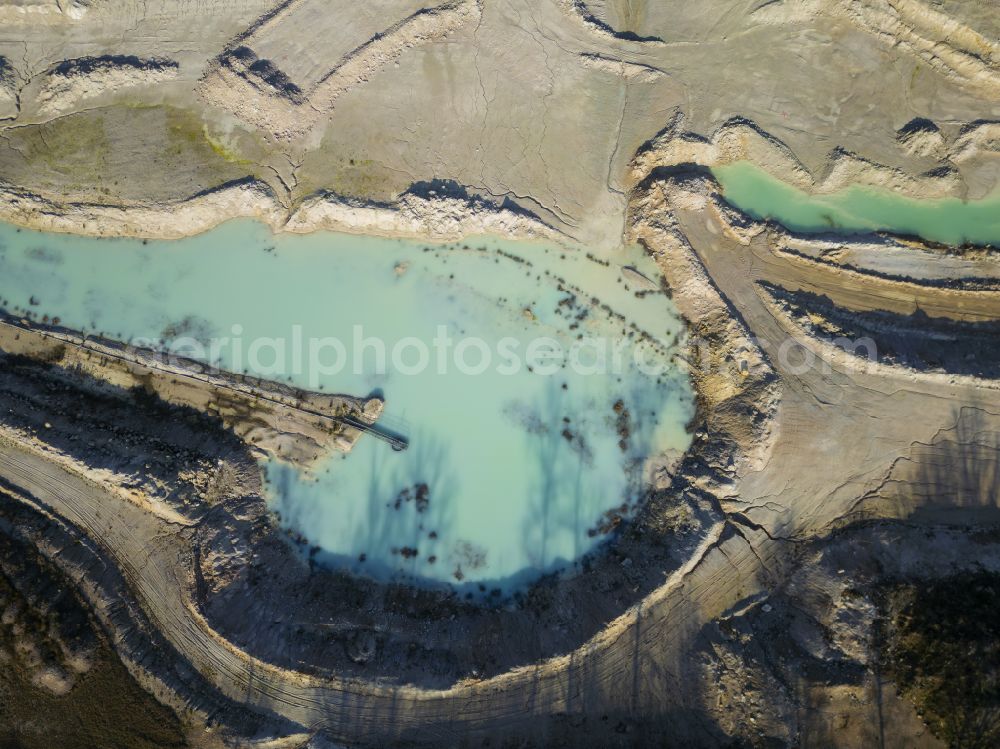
(524, 445)
(859, 209)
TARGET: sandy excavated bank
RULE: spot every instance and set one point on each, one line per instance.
(275, 420)
(748, 440)
(542, 106)
(740, 604)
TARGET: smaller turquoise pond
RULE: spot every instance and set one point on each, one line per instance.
(520, 461)
(860, 209)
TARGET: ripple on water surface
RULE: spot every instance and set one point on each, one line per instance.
(518, 463)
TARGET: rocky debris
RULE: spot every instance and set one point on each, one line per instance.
(179, 461)
(578, 10)
(676, 154)
(247, 198)
(747, 699)
(609, 522)
(45, 11)
(879, 619)
(262, 75)
(921, 137)
(976, 139)
(413, 215)
(736, 139)
(361, 646)
(628, 70)
(74, 81)
(436, 219)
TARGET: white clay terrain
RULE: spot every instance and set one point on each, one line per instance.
(739, 609)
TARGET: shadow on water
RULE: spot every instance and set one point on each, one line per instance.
(554, 468)
(564, 503)
(412, 501)
(583, 713)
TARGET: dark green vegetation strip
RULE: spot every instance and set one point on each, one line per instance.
(46, 629)
(941, 645)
